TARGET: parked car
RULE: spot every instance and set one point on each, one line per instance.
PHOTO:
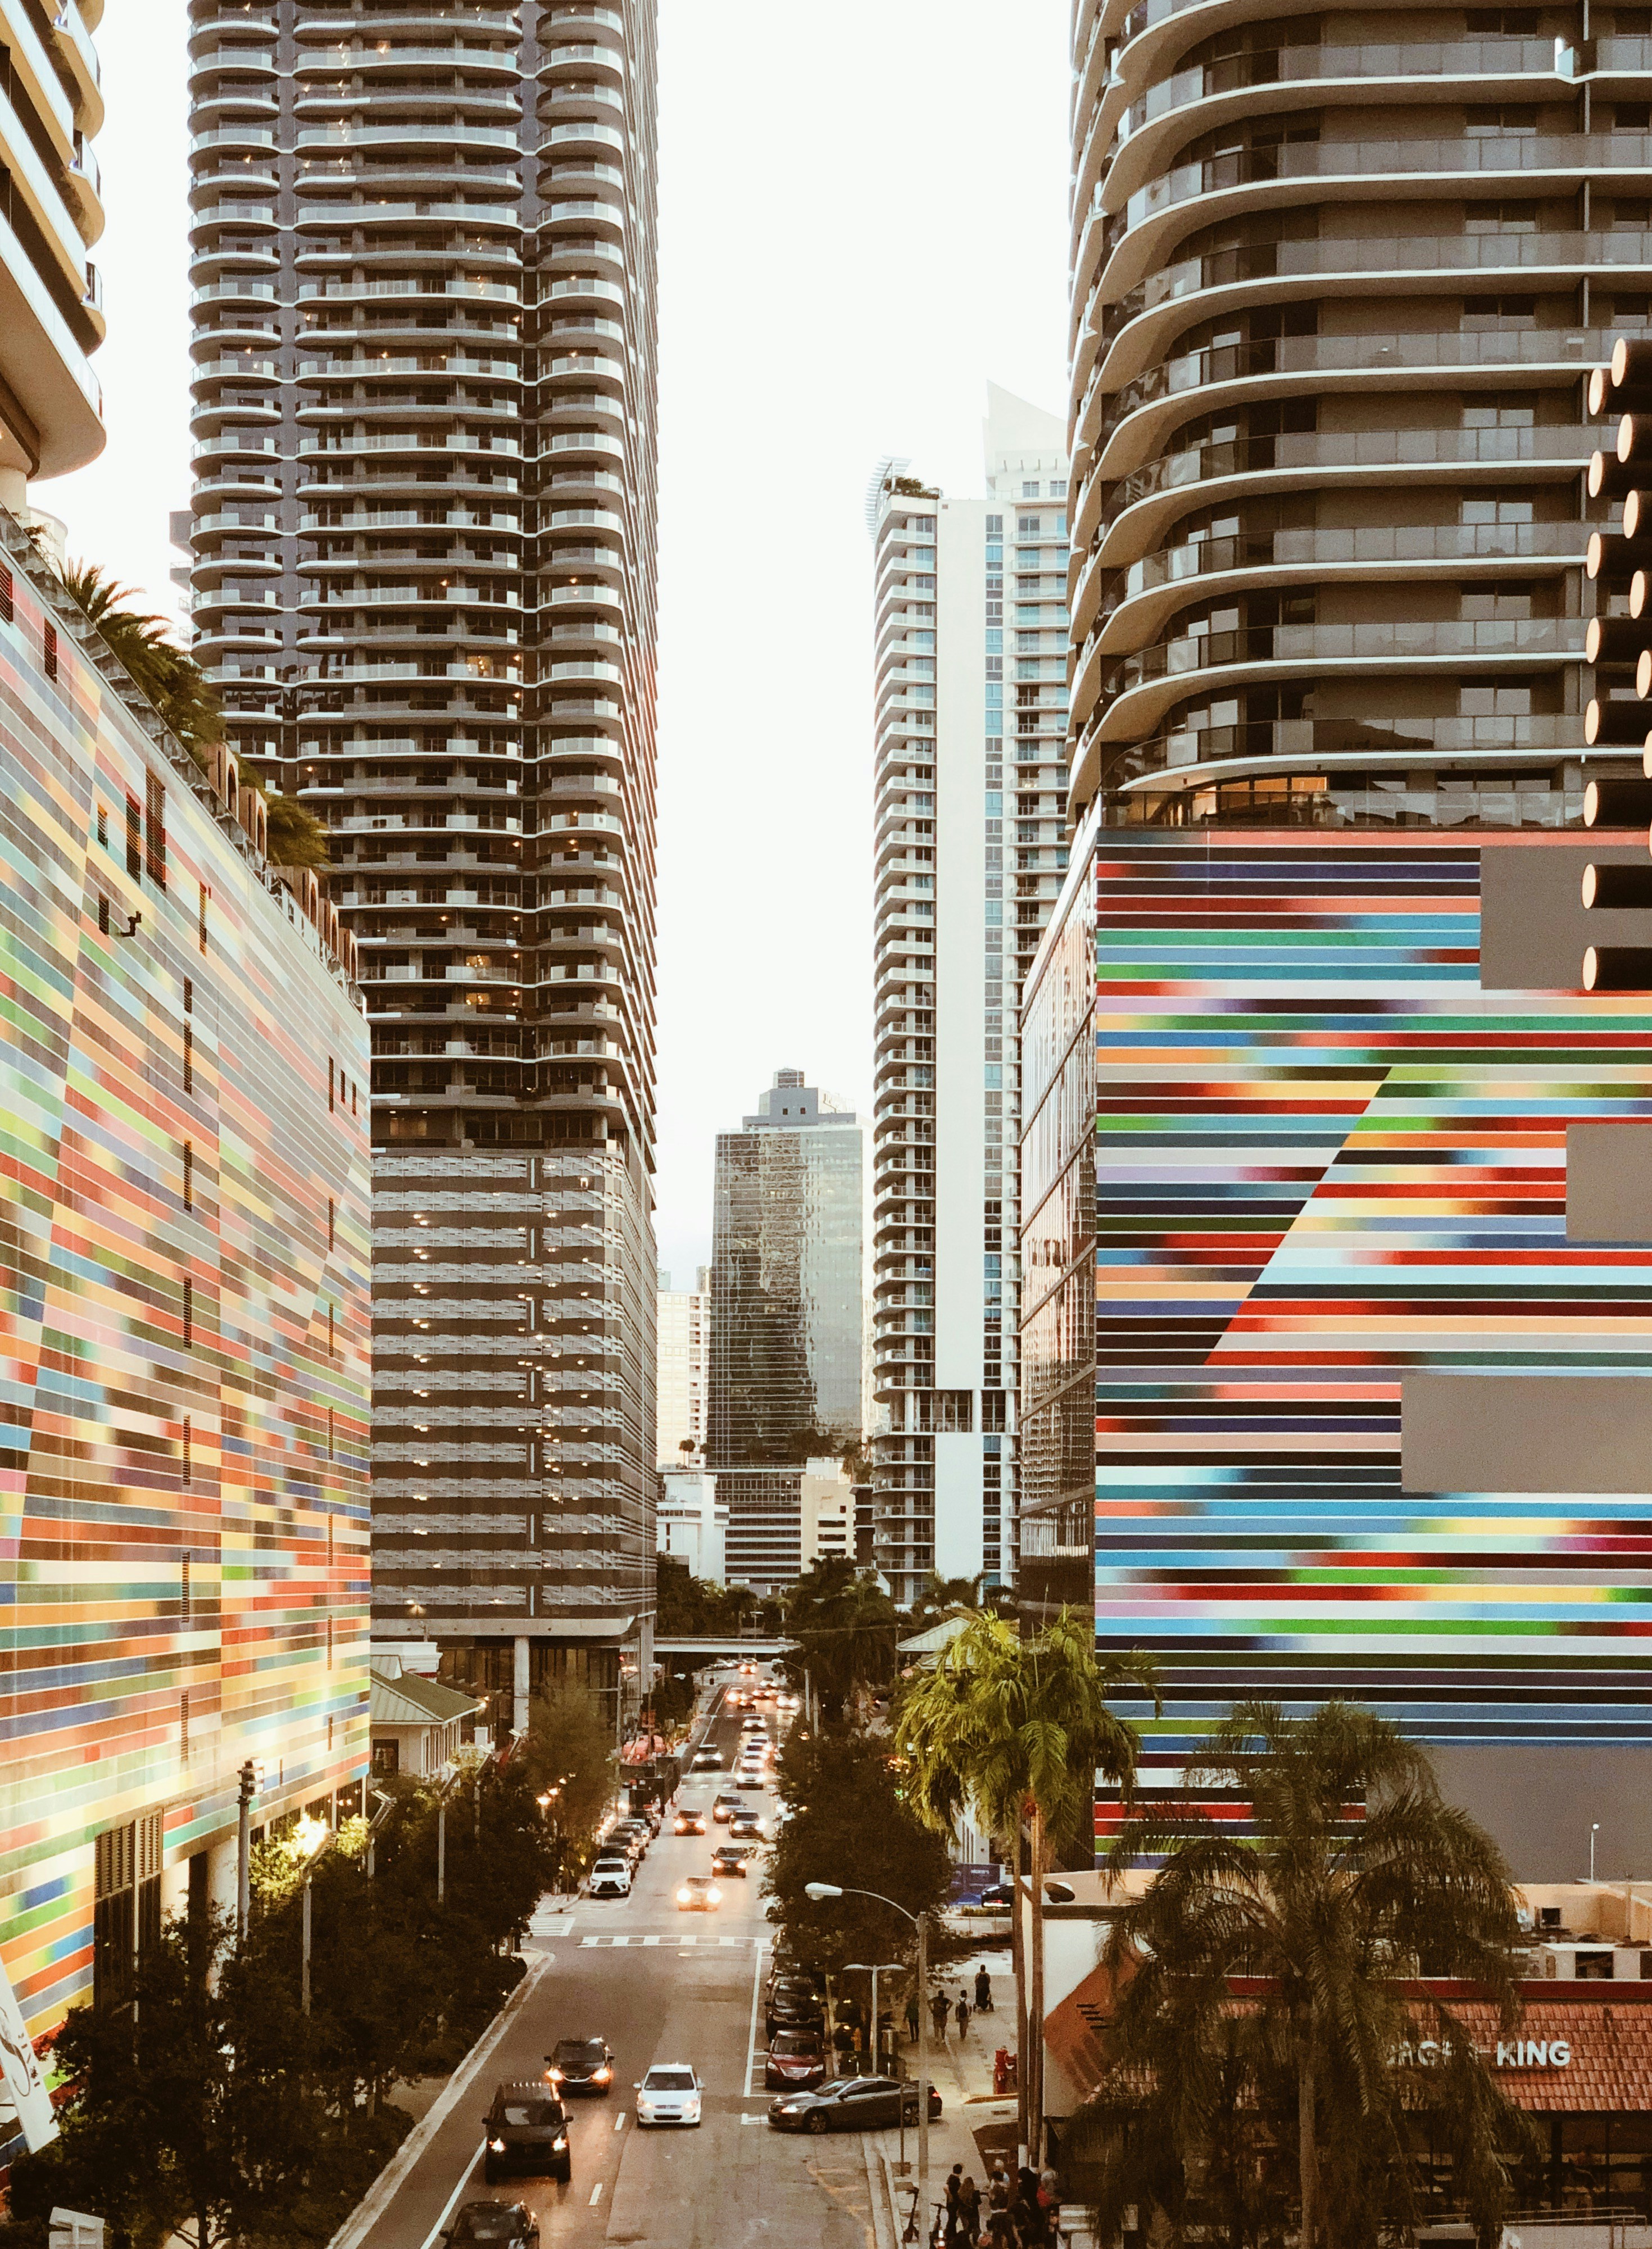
(669, 2095)
(581, 2065)
(610, 1876)
(525, 2130)
(493, 2225)
(632, 1836)
(998, 1893)
(796, 2062)
(849, 2104)
(792, 2005)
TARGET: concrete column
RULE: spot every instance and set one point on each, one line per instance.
(14, 491)
(520, 1687)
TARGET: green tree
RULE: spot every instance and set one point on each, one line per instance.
(187, 701)
(198, 2118)
(570, 1748)
(850, 1822)
(1010, 1728)
(690, 1607)
(1359, 1875)
(844, 1625)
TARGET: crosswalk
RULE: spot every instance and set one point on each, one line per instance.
(685, 1942)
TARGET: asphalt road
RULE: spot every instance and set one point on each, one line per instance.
(660, 1985)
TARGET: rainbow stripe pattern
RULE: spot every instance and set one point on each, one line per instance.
(184, 1325)
(1325, 1156)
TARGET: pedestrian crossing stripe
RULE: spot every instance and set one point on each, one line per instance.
(685, 1943)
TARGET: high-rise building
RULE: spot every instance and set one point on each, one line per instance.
(971, 628)
(184, 1320)
(684, 1380)
(787, 1334)
(1309, 1290)
(424, 258)
(50, 295)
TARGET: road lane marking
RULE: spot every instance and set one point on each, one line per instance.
(447, 2207)
(619, 2121)
(596, 2196)
(752, 2119)
(586, 1942)
(619, 1940)
(651, 1940)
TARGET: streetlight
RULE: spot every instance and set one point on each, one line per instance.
(818, 1892)
(444, 1792)
(252, 1779)
(874, 1968)
(1593, 1831)
(315, 1839)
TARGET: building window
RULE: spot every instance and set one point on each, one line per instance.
(183, 1727)
(135, 839)
(387, 1756)
(103, 917)
(189, 1312)
(188, 1058)
(332, 1213)
(126, 1913)
(51, 644)
(203, 905)
(332, 1080)
(103, 826)
(154, 833)
(188, 1464)
(8, 610)
(188, 1175)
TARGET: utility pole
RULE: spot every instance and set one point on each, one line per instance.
(923, 2061)
(250, 1774)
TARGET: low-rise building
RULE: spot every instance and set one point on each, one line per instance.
(418, 1725)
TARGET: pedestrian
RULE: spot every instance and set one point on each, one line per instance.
(939, 2013)
(961, 2012)
(952, 2209)
(912, 2018)
(998, 2190)
(969, 2211)
(984, 1992)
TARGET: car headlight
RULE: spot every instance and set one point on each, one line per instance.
(600, 2076)
(497, 2147)
(560, 2147)
(683, 1896)
(789, 2109)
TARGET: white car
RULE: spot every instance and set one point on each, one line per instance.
(611, 1876)
(669, 2095)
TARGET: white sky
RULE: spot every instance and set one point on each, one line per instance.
(863, 219)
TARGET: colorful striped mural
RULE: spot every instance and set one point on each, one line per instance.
(1326, 1157)
(184, 1329)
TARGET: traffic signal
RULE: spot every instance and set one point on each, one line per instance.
(1621, 564)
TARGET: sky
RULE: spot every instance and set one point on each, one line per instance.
(863, 222)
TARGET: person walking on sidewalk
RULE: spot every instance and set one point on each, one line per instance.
(912, 2018)
(984, 1992)
(953, 2208)
(939, 2011)
(961, 2012)
(969, 2211)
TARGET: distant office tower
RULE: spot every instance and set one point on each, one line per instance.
(1311, 1088)
(184, 1322)
(684, 1381)
(423, 252)
(690, 1519)
(788, 1283)
(971, 627)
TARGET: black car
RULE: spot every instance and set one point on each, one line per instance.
(792, 2005)
(999, 1894)
(494, 2225)
(581, 2065)
(849, 2104)
(525, 2130)
(731, 1859)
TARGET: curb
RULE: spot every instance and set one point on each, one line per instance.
(379, 2196)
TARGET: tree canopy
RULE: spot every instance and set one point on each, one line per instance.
(1294, 2107)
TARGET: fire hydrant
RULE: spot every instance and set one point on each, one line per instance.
(1004, 2072)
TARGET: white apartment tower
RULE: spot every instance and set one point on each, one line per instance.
(683, 1363)
(971, 630)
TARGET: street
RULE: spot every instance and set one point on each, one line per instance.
(661, 1985)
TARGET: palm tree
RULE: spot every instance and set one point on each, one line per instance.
(187, 701)
(1009, 1728)
(1357, 1876)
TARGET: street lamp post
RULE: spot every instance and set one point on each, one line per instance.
(442, 1794)
(315, 1840)
(874, 1968)
(819, 1891)
(251, 1775)
(1593, 1831)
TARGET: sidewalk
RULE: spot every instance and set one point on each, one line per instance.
(961, 2071)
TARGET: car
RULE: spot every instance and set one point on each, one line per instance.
(610, 1876)
(669, 2093)
(698, 1893)
(493, 2225)
(796, 2061)
(633, 1835)
(789, 1701)
(792, 2005)
(731, 1858)
(580, 2065)
(998, 1893)
(706, 1761)
(746, 1827)
(525, 2130)
(729, 1801)
(849, 2104)
(753, 1725)
(690, 1820)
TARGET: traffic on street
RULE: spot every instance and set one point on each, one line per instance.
(637, 2071)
